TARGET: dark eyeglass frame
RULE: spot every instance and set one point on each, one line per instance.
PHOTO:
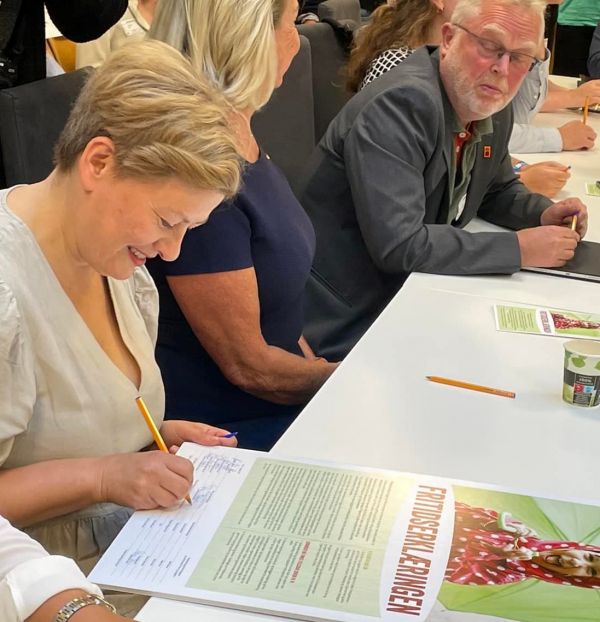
(495, 48)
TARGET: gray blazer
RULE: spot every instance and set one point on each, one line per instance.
(377, 191)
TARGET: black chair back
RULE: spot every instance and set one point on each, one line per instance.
(31, 119)
(329, 57)
(285, 127)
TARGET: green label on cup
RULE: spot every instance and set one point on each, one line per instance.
(581, 389)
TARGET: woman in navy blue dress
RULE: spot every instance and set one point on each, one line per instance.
(230, 343)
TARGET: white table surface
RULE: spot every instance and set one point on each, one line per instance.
(379, 410)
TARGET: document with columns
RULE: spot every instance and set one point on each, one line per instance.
(319, 541)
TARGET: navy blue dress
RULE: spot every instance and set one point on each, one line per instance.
(263, 227)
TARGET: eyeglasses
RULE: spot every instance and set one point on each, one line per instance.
(491, 50)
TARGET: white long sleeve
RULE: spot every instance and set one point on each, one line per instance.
(531, 95)
(29, 576)
(527, 138)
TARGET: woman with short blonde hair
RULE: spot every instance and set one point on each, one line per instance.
(147, 153)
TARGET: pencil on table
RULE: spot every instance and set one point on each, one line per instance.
(158, 439)
(586, 109)
(472, 387)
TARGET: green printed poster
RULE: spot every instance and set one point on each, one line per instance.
(542, 321)
(350, 544)
(305, 534)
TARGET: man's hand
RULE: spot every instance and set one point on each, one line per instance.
(575, 135)
(590, 89)
(545, 178)
(547, 247)
(562, 212)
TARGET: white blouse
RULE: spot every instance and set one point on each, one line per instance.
(29, 576)
(61, 396)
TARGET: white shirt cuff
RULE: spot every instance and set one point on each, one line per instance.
(35, 581)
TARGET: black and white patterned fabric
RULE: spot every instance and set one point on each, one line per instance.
(384, 62)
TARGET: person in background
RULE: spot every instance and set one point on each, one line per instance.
(36, 586)
(576, 22)
(133, 26)
(539, 94)
(308, 12)
(594, 55)
(78, 21)
(391, 36)
(416, 155)
(230, 342)
(147, 153)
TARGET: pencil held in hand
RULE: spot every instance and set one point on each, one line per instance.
(586, 109)
(472, 387)
(574, 223)
(158, 439)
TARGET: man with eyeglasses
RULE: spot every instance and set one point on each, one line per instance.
(416, 155)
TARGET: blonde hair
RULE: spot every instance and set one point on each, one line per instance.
(230, 42)
(164, 120)
(403, 23)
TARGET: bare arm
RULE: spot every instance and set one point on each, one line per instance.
(44, 490)
(53, 488)
(560, 97)
(223, 310)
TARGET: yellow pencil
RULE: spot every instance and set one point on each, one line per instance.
(158, 439)
(472, 387)
(586, 108)
(574, 223)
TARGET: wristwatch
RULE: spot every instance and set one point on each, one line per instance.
(518, 166)
(78, 603)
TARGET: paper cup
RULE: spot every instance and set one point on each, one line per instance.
(581, 385)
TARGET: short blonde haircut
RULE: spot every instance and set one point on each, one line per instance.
(164, 120)
(230, 42)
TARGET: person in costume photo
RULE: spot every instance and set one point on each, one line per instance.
(492, 548)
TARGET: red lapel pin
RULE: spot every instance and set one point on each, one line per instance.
(487, 151)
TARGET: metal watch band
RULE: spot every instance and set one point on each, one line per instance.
(78, 603)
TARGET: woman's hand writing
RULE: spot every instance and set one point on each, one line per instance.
(145, 480)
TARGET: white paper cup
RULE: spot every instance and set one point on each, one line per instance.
(581, 384)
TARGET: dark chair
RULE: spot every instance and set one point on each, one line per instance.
(329, 57)
(31, 119)
(342, 11)
(285, 127)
